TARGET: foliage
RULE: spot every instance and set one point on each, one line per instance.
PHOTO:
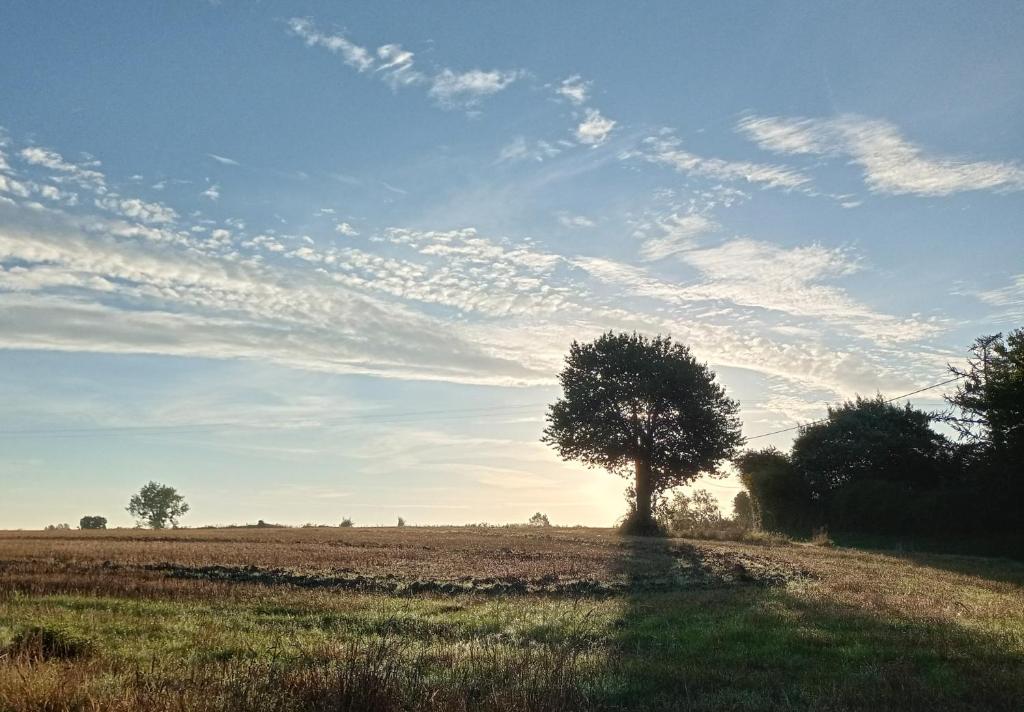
(157, 506)
(346, 522)
(683, 513)
(647, 406)
(780, 498)
(868, 438)
(56, 527)
(988, 406)
(92, 522)
(401, 522)
(539, 520)
(743, 510)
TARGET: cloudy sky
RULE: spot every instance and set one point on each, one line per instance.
(319, 260)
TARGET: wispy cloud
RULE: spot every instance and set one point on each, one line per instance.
(575, 221)
(677, 233)
(594, 129)
(890, 163)
(461, 89)
(353, 55)
(344, 228)
(574, 89)
(211, 193)
(449, 88)
(224, 160)
(667, 149)
(519, 149)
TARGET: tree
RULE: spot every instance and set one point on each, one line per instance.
(401, 522)
(92, 522)
(157, 505)
(780, 499)
(868, 438)
(642, 407)
(346, 523)
(689, 512)
(539, 520)
(989, 401)
(743, 510)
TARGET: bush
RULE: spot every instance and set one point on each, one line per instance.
(821, 538)
(57, 527)
(401, 522)
(539, 520)
(92, 522)
(345, 523)
(41, 643)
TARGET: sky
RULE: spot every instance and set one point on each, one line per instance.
(305, 261)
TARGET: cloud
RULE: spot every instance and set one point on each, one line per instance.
(678, 233)
(154, 213)
(212, 193)
(575, 221)
(519, 149)
(790, 280)
(343, 228)
(666, 149)
(224, 160)
(594, 129)
(352, 54)
(84, 175)
(574, 89)
(452, 89)
(891, 164)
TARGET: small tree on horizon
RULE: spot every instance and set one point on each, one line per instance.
(92, 522)
(157, 506)
(539, 520)
(645, 408)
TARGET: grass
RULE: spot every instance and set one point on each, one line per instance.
(675, 625)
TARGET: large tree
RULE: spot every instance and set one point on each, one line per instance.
(868, 439)
(645, 408)
(157, 505)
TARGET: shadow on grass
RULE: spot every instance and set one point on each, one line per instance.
(1003, 562)
(730, 645)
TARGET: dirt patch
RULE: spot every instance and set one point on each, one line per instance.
(686, 569)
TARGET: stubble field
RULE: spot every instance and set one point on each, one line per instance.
(496, 618)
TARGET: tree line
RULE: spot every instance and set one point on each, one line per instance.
(648, 410)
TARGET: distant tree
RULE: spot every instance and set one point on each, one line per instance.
(988, 406)
(688, 512)
(157, 506)
(346, 522)
(644, 408)
(743, 510)
(868, 439)
(780, 498)
(401, 522)
(92, 522)
(56, 527)
(539, 520)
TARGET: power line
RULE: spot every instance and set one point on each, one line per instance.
(890, 400)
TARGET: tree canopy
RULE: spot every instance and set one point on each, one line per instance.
(643, 406)
(867, 438)
(157, 505)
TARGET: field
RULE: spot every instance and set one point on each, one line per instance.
(496, 619)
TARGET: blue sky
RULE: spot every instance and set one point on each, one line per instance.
(314, 260)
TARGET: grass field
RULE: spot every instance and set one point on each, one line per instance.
(495, 619)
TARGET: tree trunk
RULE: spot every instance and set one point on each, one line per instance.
(644, 492)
